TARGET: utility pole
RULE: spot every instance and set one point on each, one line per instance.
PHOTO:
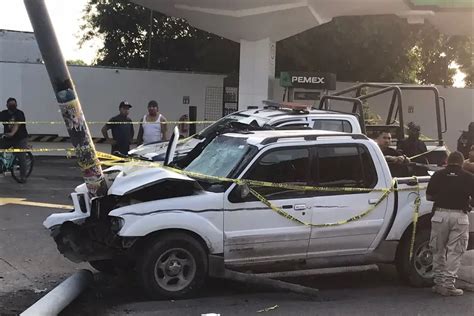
(67, 98)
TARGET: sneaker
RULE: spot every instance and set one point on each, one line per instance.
(449, 291)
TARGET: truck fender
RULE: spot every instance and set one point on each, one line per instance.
(140, 226)
(405, 218)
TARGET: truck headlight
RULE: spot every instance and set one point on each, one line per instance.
(116, 224)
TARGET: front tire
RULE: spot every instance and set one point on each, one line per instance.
(419, 271)
(173, 266)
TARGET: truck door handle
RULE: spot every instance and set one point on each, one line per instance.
(300, 207)
(373, 201)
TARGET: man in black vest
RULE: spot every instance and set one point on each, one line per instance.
(452, 191)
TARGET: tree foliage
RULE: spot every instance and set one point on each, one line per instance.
(365, 48)
(377, 48)
(76, 62)
(124, 28)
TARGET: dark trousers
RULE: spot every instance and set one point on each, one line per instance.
(19, 144)
(120, 148)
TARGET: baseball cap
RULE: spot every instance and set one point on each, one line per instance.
(414, 127)
(124, 104)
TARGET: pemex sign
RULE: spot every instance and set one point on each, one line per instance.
(308, 80)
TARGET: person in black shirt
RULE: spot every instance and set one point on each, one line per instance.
(466, 140)
(469, 163)
(413, 146)
(122, 134)
(384, 139)
(15, 135)
(452, 191)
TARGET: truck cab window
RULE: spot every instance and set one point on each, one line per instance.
(345, 166)
(290, 166)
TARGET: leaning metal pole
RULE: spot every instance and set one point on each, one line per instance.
(66, 96)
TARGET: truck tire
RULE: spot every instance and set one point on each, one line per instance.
(419, 271)
(173, 266)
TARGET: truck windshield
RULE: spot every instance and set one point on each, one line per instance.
(220, 157)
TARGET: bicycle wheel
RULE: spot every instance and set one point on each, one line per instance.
(16, 167)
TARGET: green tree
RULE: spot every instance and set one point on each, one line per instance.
(125, 30)
(361, 48)
(377, 48)
(77, 62)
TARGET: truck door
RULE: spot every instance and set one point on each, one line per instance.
(346, 165)
(256, 233)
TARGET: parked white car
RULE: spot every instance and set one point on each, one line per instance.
(258, 119)
(175, 230)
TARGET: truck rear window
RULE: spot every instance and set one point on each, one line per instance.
(333, 125)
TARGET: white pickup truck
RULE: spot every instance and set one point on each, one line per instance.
(176, 230)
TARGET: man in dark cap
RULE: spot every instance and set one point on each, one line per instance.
(15, 135)
(122, 130)
(413, 146)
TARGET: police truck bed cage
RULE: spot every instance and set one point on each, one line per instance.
(396, 106)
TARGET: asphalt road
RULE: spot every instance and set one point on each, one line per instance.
(30, 265)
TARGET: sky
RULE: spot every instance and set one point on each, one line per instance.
(66, 16)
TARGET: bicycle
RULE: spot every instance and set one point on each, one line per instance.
(9, 162)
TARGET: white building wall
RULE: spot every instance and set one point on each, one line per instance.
(101, 90)
(19, 47)
(459, 108)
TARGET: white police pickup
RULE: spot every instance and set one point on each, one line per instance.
(175, 230)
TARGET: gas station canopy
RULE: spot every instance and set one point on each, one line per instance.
(253, 20)
(259, 24)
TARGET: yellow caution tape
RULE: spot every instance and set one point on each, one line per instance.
(103, 122)
(111, 160)
(416, 214)
(425, 153)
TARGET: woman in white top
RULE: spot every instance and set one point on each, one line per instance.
(152, 129)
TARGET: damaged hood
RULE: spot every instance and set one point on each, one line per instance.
(131, 179)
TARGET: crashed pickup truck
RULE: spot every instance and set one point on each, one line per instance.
(175, 229)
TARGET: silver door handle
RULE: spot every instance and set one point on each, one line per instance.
(300, 207)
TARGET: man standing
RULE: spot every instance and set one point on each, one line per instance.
(122, 130)
(15, 135)
(469, 163)
(451, 190)
(153, 127)
(183, 127)
(392, 156)
(466, 140)
(413, 146)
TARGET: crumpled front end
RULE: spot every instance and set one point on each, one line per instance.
(90, 233)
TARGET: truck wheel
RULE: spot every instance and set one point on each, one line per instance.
(104, 266)
(173, 266)
(419, 271)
